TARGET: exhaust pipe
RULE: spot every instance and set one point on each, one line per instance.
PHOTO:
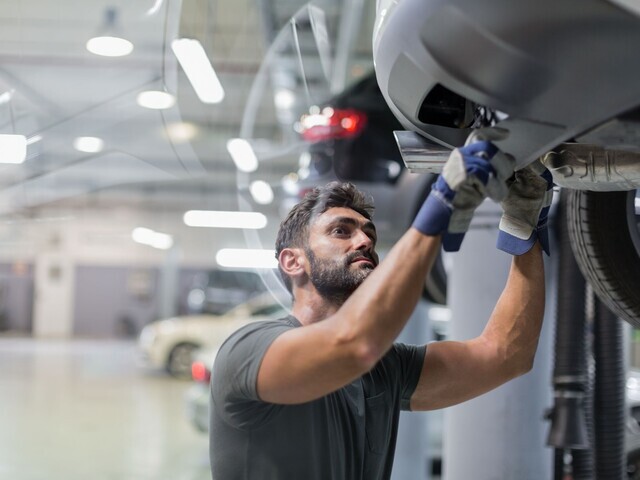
(573, 165)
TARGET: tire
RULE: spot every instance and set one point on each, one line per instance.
(603, 228)
(180, 358)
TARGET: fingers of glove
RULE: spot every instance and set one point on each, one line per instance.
(461, 166)
(503, 167)
(481, 149)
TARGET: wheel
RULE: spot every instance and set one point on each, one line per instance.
(180, 358)
(604, 232)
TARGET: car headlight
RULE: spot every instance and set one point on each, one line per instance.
(147, 337)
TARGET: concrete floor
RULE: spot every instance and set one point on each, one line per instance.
(83, 409)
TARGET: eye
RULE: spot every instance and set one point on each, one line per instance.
(341, 231)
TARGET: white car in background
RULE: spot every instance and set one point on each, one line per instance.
(169, 344)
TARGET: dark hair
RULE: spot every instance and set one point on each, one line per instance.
(294, 229)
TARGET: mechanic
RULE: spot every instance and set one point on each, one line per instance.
(317, 395)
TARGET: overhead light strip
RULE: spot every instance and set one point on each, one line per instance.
(198, 68)
(221, 219)
(246, 258)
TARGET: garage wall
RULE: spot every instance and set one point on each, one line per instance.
(114, 301)
(16, 296)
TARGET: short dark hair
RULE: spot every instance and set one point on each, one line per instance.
(294, 229)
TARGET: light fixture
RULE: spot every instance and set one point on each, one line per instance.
(221, 219)
(109, 44)
(198, 68)
(246, 258)
(13, 148)
(146, 236)
(6, 96)
(242, 154)
(261, 192)
(155, 99)
(284, 99)
(180, 132)
(88, 144)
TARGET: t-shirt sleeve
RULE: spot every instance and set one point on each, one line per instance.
(235, 373)
(408, 360)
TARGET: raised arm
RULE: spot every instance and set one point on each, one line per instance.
(457, 371)
(307, 363)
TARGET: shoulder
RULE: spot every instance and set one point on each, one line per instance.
(251, 341)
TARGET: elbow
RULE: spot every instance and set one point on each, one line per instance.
(523, 364)
(362, 352)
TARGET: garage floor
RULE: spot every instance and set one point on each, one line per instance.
(82, 409)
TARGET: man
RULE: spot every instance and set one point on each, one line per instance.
(317, 395)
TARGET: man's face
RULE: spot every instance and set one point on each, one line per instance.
(341, 252)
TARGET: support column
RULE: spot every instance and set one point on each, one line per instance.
(501, 434)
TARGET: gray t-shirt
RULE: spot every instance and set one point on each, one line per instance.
(349, 434)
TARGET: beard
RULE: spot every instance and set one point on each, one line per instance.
(335, 280)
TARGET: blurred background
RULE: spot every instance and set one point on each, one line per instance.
(148, 152)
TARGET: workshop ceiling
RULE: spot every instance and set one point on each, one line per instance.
(53, 90)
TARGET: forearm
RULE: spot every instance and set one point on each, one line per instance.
(514, 326)
(379, 309)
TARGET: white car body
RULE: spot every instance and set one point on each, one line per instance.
(158, 340)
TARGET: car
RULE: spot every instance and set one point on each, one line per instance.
(566, 88)
(349, 139)
(169, 343)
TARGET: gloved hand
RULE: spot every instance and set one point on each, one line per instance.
(471, 173)
(526, 208)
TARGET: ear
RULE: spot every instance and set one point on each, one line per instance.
(293, 262)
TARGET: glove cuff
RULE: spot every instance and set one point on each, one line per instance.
(434, 215)
(517, 246)
(451, 241)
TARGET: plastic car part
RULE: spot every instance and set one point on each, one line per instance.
(529, 62)
(603, 227)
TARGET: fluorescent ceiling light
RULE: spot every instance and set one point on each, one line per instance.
(219, 219)
(146, 236)
(13, 148)
(242, 154)
(156, 100)
(284, 99)
(109, 46)
(6, 97)
(198, 68)
(261, 192)
(180, 132)
(88, 144)
(246, 258)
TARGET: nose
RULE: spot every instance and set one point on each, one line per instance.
(363, 241)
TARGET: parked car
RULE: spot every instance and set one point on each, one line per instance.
(349, 138)
(170, 343)
(566, 87)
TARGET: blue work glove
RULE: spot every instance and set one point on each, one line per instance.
(526, 208)
(471, 173)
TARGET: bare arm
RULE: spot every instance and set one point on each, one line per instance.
(457, 371)
(327, 355)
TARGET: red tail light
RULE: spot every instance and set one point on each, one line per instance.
(200, 373)
(332, 124)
